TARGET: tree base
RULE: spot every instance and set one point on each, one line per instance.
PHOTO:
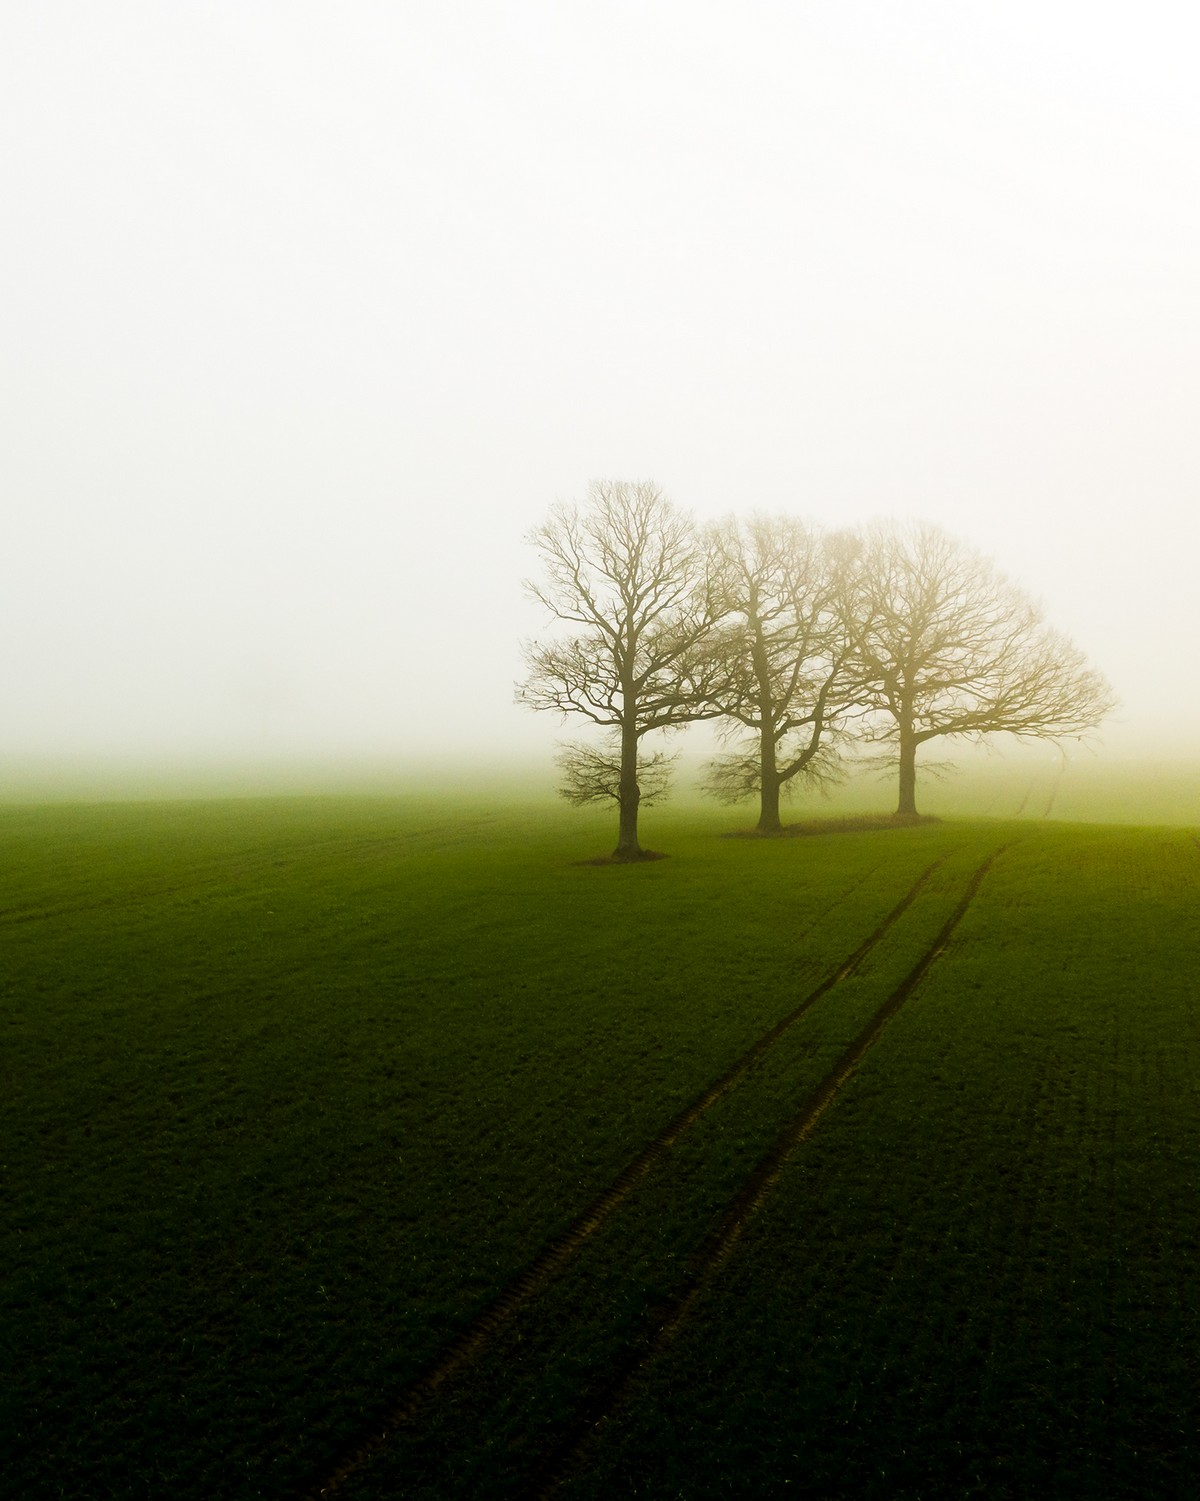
(638, 858)
(859, 824)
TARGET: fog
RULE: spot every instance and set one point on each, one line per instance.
(311, 312)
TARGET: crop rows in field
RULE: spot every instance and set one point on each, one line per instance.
(272, 1138)
(366, 1167)
(980, 1276)
(550, 1452)
(555, 1256)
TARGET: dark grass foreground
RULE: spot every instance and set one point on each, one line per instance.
(295, 1090)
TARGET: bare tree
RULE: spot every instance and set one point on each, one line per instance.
(627, 573)
(951, 647)
(593, 775)
(786, 646)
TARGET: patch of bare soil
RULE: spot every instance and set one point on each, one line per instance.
(859, 824)
(639, 859)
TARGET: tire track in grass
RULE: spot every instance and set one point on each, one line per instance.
(669, 1318)
(470, 1344)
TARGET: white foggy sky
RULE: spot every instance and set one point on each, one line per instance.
(310, 311)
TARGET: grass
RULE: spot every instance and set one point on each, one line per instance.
(296, 1088)
(979, 1278)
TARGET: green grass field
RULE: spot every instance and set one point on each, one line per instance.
(375, 1147)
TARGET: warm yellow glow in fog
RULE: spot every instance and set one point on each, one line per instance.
(312, 313)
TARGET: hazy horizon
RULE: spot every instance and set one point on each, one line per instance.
(1131, 787)
(312, 314)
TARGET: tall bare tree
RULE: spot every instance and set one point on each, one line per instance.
(951, 647)
(627, 573)
(791, 675)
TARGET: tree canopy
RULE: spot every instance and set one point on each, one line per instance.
(790, 677)
(626, 573)
(803, 647)
(950, 647)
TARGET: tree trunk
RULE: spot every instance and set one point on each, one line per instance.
(628, 797)
(908, 771)
(769, 785)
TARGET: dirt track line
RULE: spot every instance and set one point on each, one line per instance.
(1054, 791)
(1025, 799)
(463, 1350)
(571, 1451)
